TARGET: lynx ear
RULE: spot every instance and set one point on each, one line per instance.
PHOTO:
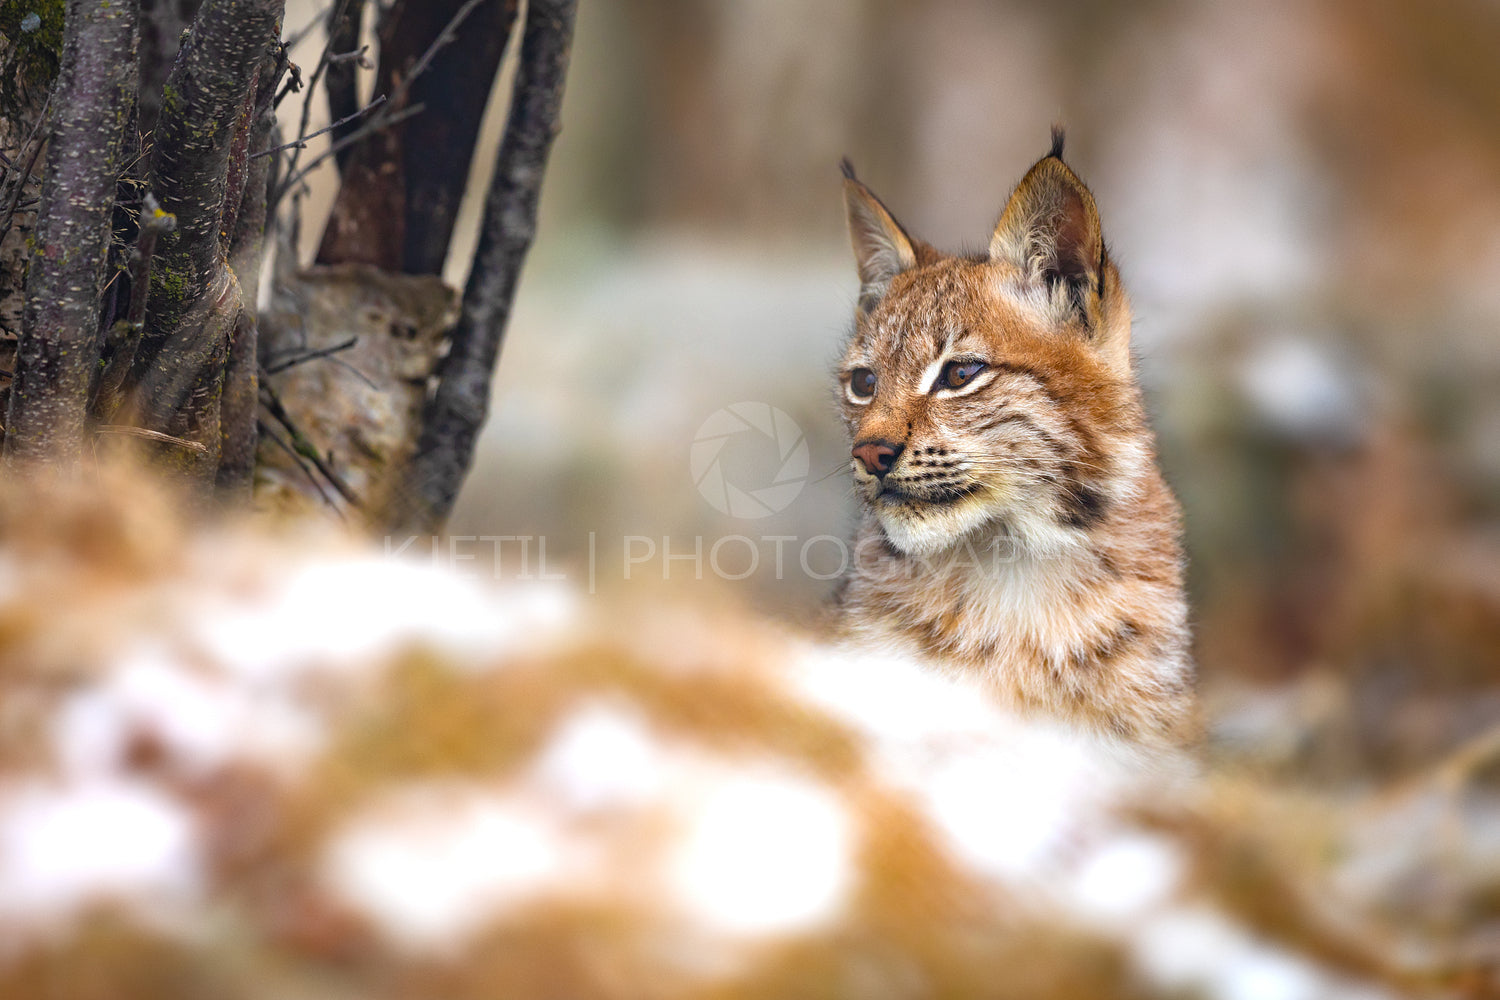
(1050, 229)
(881, 247)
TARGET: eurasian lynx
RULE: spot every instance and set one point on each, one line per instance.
(1014, 521)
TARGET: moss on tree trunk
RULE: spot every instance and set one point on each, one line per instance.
(58, 351)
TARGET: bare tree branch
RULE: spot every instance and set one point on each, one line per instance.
(141, 432)
(376, 124)
(302, 446)
(454, 415)
(342, 85)
(58, 348)
(339, 7)
(270, 435)
(23, 171)
(302, 142)
(310, 355)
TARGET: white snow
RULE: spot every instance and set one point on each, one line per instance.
(433, 864)
(602, 757)
(1196, 949)
(1009, 796)
(348, 612)
(763, 853)
(200, 719)
(65, 846)
(1128, 875)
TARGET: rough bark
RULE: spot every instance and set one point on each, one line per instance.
(124, 334)
(162, 25)
(246, 256)
(58, 348)
(194, 298)
(369, 229)
(24, 86)
(401, 188)
(454, 93)
(454, 415)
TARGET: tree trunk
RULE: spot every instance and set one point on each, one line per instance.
(194, 302)
(398, 203)
(169, 353)
(30, 67)
(455, 414)
(58, 351)
(162, 25)
(241, 401)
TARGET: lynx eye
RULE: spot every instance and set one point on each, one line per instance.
(957, 374)
(862, 382)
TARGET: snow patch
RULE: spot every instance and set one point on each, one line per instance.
(63, 847)
(763, 853)
(354, 612)
(432, 865)
(602, 757)
(199, 720)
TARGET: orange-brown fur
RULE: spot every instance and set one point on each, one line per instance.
(1022, 529)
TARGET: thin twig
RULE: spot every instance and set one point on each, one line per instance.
(376, 124)
(384, 120)
(272, 96)
(341, 82)
(302, 142)
(444, 38)
(356, 373)
(312, 86)
(270, 433)
(298, 36)
(304, 447)
(293, 83)
(323, 352)
(354, 55)
(128, 431)
(153, 222)
(25, 172)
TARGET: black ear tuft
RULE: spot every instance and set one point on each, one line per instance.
(847, 168)
(1058, 136)
(1050, 231)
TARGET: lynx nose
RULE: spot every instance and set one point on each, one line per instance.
(877, 456)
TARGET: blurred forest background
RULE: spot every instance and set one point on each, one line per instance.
(1304, 196)
(1304, 199)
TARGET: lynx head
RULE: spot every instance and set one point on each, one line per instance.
(993, 390)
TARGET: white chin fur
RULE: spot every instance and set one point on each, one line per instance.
(929, 532)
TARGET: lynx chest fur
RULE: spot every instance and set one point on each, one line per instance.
(1014, 523)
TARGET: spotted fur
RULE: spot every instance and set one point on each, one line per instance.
(1023, 531)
